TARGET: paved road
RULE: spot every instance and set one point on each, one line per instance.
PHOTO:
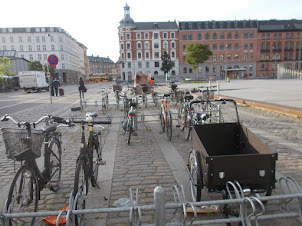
(151, 160)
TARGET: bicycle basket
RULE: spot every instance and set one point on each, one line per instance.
(207, 94)
(117, 87)
(19, 147)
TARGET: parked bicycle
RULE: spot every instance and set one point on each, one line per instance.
(183, 112)
(130, 124)
(88, 161)
(24, 145)
(117, 89)
(104, 100)
(165, 117)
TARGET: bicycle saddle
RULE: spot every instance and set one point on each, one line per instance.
(189, 97)
(48, 129)
(167, 94)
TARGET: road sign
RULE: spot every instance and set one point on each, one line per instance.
(53, 60)
(48, 74)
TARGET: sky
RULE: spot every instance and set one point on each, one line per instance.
(94, 23)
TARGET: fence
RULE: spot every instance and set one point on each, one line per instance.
(251, 209)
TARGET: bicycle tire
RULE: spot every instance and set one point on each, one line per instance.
(169, 125)
(130, 128)
(162, 120)
(55, 164)
(96, 156)
(146, 101)
(25, 186)
(81, 187)
(187, 125)
(194, 164)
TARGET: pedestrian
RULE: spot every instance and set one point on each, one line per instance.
(81, 86)
(55, 85)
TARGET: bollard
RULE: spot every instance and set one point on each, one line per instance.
(159, 202)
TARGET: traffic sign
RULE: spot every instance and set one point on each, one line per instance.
(53, 60)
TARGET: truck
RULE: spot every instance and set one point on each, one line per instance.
(33, 81)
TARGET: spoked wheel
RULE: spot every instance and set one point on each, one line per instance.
(97, 156)
(55, 164)
(162, 121)
(196, 179)
(80, 190)
(23, 196)
(130, 130)
(169, 125)
(187, 125)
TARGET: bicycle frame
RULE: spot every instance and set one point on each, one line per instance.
(165, 108)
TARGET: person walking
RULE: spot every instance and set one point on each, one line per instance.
(55, 85)
(81, 86)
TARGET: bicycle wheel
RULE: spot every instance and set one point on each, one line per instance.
(80, 190)
(23, 196)
(180, 116)
(97, 156)
(187, 124)
(130, 129)
(194, 165)
(169, 125)
(162, 120)
(55, 164)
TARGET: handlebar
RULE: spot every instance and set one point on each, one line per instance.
(20, 123)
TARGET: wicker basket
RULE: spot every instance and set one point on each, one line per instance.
(117, 88)
(19, 146)
(179, 95)
(207, 94)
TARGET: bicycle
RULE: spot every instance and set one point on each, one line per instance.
(165, 117)
(88, 162)
(24, 145)
(104, 99)
(117, 89)
(130, 125)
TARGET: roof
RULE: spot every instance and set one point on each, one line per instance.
(155, 25)
(8, 53)
(280, 25)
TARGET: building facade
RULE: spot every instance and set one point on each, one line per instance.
(241, 49)
(100, 65)
(37, 43)
(142, 45)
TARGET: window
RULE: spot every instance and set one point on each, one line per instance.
(221, 57)
(207, 36)
(279, 45)
(236, 56)
(155, 35)
(4, 47)
(63, 66)
(245, 35)
(184, 48)
(267, 46)
(44, 47)
(146, 35)
(190, 70)
(229, 57)
(190, 37)
(62, 56)
(147, 55)
(29, 39)
(251, 35)
(52, 39)
(139, 64)
(165, 45)
(287, 35)
(207, 69)
(172, 45)
(21, 47)
(246, 46)
(251, 56)
(280, 35)
(147, 45)
(214, 46)
(290, 56)
(52, 47)
(156, 64)
(122, 56)
(221, 46)
(31, 57)
(38, 48)
(245, 56)
(262, 57)
(214, 57)
(128, 36)
(138, 35)
(156, 55)
(229, 46)
(156, 45)
(128, 45)
(291, 45)
(165, 35)
(129, 64)
(122, 46)
(139, 55)
(185, 70)
(184, 36)
(12, 47)
(172, 54)
(30, 48)
(229, 35)
(236, 45)
(11, 39)
(37, 39)
(263, 36)
(20, 38)
(214, 69)
(268, 36)
(285, 56)
(172, 35)
(221, 35)
(121, 37)
(39, 57)
(236, 35)
(139, 45)
(43, 38)
(129, 55)
(199, 36)
(44, 56)
(147, 64)
(286, 45)
(251, 46)
(3, 39)
(214, 36)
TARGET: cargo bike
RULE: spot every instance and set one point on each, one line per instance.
(226, 151)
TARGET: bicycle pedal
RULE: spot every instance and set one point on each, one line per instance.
(102, 163)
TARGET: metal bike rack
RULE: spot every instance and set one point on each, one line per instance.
(252, 209)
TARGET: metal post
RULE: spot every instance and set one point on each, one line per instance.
(217, 84)
(50, 85)
(159, 202)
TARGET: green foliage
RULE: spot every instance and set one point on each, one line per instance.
(35, 66)
(167, 63)
(51, 69)
(5, 66)
(197, 53)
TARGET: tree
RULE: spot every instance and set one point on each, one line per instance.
(50, 69)
(5, 66)
(35, 66)
(167, 63)
(197, 54)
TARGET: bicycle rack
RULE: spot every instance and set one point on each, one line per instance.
(251, 210)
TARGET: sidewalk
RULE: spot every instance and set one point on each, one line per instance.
(277, 95)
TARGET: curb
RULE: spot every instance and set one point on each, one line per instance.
(293, 111)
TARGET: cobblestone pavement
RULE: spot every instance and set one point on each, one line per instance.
(143, 164)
